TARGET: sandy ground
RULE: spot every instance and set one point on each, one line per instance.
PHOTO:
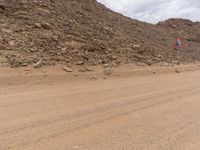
(133, 109)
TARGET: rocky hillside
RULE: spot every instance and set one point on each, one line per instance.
(79, 32)
(188, 32)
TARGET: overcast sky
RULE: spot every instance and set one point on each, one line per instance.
(154, 11)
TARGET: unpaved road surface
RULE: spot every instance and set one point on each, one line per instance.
(154, 112)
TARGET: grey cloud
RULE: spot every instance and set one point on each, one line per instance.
(154, 11)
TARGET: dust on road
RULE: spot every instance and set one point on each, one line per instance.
(154, 112)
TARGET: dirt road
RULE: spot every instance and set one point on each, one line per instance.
(154, 112)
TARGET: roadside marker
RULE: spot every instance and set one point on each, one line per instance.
(177, 47)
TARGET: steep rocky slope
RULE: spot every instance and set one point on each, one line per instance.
(85, 32)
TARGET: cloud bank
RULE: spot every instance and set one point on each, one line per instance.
(153, 11)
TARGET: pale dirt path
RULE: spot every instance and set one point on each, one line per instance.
(154, 112)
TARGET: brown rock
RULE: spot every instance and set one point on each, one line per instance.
(82, 70)
(80, 63)
(38, 64)
(11, 43)
(177, 71)
(46, 25)
(45, 11)
(108, 71)
(2, 6)
(24, 64)
(136, 45)
(114, 57)
(106, 65)
(6, 30)
(93, 77)
(88, 69)
(38, 25)
(67, 69)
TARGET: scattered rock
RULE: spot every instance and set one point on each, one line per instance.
(76, 75)
(38, 25)
(155, 71)
(80, 63)
(149, 62)
(114, 57)
(85, 69)
(45, 11)
(8, 31)
(177, 71)
(38, 64)
(11, 43)
(82, 70)
(46, 25)
(2, 6)
(114, 64)
(88, 69)
(106, 65)
(67, 69)
(63, 50)
(136, 45)
(24, 64)
(93, 77)
(108, 71)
